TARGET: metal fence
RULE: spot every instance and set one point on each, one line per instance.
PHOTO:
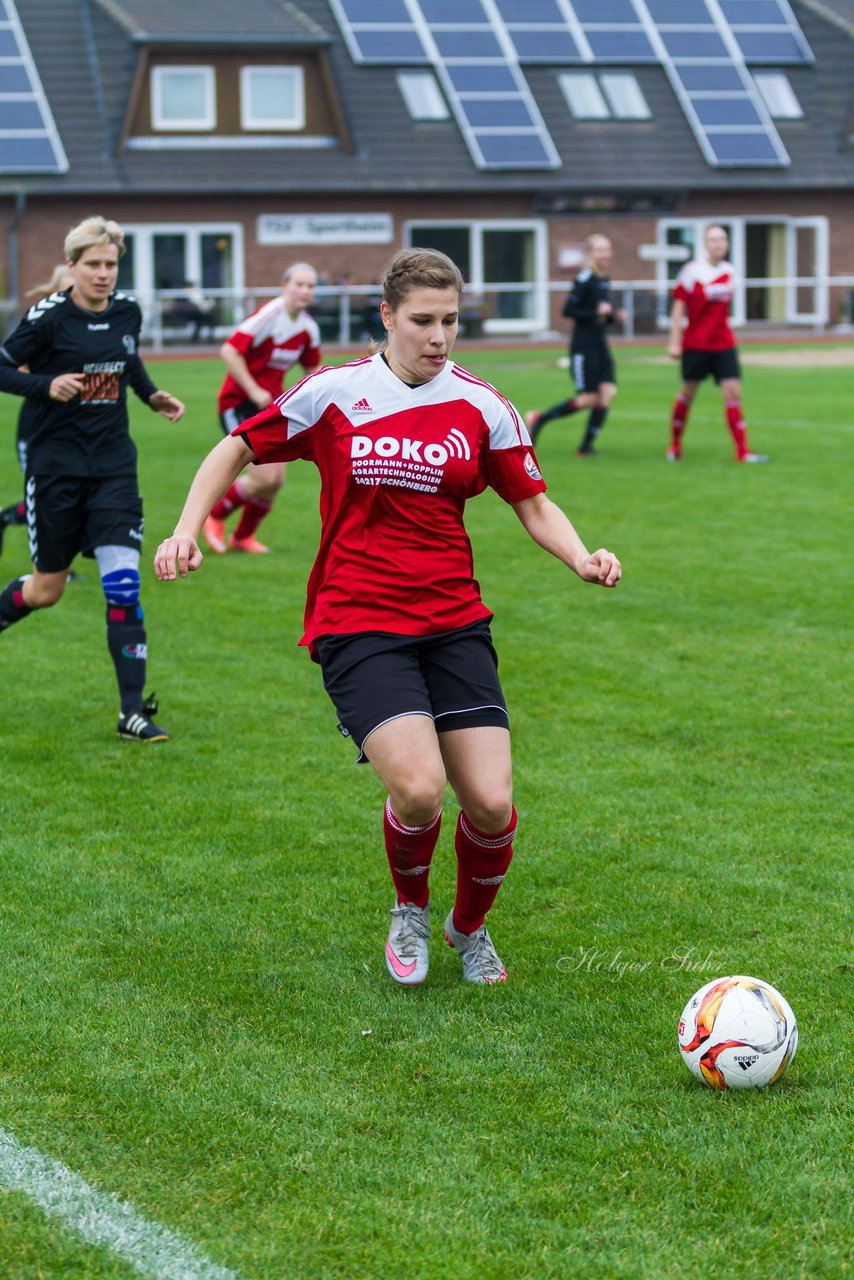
(349, 315)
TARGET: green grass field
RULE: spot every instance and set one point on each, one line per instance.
(196, 1014)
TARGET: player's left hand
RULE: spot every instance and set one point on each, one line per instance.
(167, 406)
(601, 567)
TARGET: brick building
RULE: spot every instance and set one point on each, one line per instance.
(231, 139)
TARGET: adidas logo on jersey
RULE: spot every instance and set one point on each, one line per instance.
(361, 406)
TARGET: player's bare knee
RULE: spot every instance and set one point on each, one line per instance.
(490, 813)
(44, 591)
(416, 801)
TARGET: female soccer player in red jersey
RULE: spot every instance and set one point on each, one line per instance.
(257, 356)
(702, 297)
(394, 615)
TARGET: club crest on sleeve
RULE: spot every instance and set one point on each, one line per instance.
(531, 467)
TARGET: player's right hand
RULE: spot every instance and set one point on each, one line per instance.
(66, 386)
(177, 556)
(262, 399)
(674, 350)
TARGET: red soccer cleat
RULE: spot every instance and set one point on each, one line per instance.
(250, 544)
(215, 535)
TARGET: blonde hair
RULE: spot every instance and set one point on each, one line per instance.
(58, 274)
(90, 232)
(297, 266)
(412, 269)
(590, 242)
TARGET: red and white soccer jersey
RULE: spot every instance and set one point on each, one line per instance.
(397, 464)
(707, 292)
(271, 343)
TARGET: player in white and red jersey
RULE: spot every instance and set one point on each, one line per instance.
(258, 355)
(394, 614)
(706, 345)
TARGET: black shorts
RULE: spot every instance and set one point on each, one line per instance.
(231, 418)
(591, 366)
(720, 365)
(70, 514)
(374, 677)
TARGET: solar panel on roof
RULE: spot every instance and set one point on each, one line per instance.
(627, 44)
(545, 45)
(477, 49)
(743, 148)
(29, 141)
(714, 111)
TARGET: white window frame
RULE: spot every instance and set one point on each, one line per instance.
(778, 95)
(423, 97)
(737, 256)
(294, 122)
(587, 84)
(143, 236)
(538, 286)
(159, 122)
(614, 85)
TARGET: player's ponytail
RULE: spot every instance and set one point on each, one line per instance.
(57, 281)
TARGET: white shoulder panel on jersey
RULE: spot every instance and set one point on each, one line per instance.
(262, 321)
(584, 274)
(45, 306)
(502, 419)
(304, 404)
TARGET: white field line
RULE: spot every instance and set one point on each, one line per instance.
(101, 1218)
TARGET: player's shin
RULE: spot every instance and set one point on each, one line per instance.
(126, 639)
(410, 852)
(12, 607)
(482, 862)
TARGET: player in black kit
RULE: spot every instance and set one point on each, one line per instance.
(81, 347)
(589, 305)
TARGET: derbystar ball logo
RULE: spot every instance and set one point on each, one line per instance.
(455, 445)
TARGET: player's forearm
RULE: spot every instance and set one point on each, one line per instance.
(677, 316)
(552, 530)
(17, 383)
(239, 369)
(214, 477)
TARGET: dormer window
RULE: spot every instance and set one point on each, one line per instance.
(272, 98)
(183, 98)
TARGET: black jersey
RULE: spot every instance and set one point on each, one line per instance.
(588, 290)
(89, 435)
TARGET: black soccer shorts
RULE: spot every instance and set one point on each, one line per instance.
(67, 515)
(231, 418)
(591, 366)
(374, 677)
(720, 365)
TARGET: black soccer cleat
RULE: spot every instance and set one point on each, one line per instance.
(138, 726)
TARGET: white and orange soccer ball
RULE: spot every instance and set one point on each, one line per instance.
(737, 1033)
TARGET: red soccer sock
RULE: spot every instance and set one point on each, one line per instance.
(410, 852)
(482, 861)
(737, 427)
(253, 513)
(678, 419)
(233, 499)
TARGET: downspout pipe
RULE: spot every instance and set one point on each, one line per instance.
(12, 256)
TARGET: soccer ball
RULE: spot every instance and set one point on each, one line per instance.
(737, 1033)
